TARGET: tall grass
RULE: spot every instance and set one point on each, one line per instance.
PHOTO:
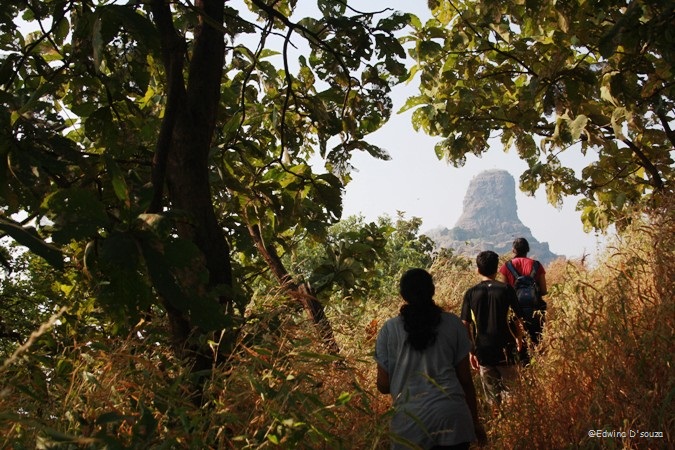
(605, 363)
(277, 390)
(606, 360)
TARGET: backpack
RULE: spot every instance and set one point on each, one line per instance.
(527, 289)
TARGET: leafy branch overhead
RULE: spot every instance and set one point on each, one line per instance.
(146, 139)
(550, 79)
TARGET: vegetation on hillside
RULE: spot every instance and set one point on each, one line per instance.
(606, 362)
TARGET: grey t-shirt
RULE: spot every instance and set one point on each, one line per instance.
(429, 403)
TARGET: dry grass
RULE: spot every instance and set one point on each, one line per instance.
(606, 360)
(605, 363)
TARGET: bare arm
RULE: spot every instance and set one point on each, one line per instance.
(501, 277)
(472, 354)
(382, 380)
(519, 331)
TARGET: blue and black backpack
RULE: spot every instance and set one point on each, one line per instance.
(527, 288)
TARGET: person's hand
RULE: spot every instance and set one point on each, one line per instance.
(481, 435)
(474, 361)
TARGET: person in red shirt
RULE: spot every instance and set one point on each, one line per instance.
(534, 320)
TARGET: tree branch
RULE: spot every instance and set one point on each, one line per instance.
(312, 38)
(303, 293)
(490, 45)
(657, 182)
(666, 126)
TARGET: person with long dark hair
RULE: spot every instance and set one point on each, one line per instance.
(423, 362)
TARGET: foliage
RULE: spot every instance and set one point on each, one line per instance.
(143, 142)
(30, 293)
(453, 275)
(276, 389)
(363, 260)
(591, 78)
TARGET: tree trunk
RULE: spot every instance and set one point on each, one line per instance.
(302, 293)
(181, 156)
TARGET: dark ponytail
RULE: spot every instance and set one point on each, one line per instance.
(421, 315)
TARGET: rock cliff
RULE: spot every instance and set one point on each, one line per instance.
(489, 220)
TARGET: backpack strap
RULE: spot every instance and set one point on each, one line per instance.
(535, 267)
(512, 269)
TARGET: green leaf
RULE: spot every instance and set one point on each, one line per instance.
(412, 102)
(77, 214)
(429, 50)
(161, 277)
(117, 179)
(62, 30)
(577, 126)
(266, 53)
(7, 67)
(395, 22)
(415, 21)
(343, 399)
(43, 89)
(139, 26)
(331, 8)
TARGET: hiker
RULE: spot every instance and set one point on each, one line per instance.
(423, 362)
(485, 314)
(517, 271)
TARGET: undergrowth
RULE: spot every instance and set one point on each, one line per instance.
(605, 363)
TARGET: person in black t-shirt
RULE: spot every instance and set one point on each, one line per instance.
(485, 314)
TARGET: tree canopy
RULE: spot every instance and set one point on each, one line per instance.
(158, 151)
(554, 78)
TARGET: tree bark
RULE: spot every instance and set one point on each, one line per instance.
(300, 292)
(181, 156)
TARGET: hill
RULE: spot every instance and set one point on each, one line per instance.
(489, 220)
